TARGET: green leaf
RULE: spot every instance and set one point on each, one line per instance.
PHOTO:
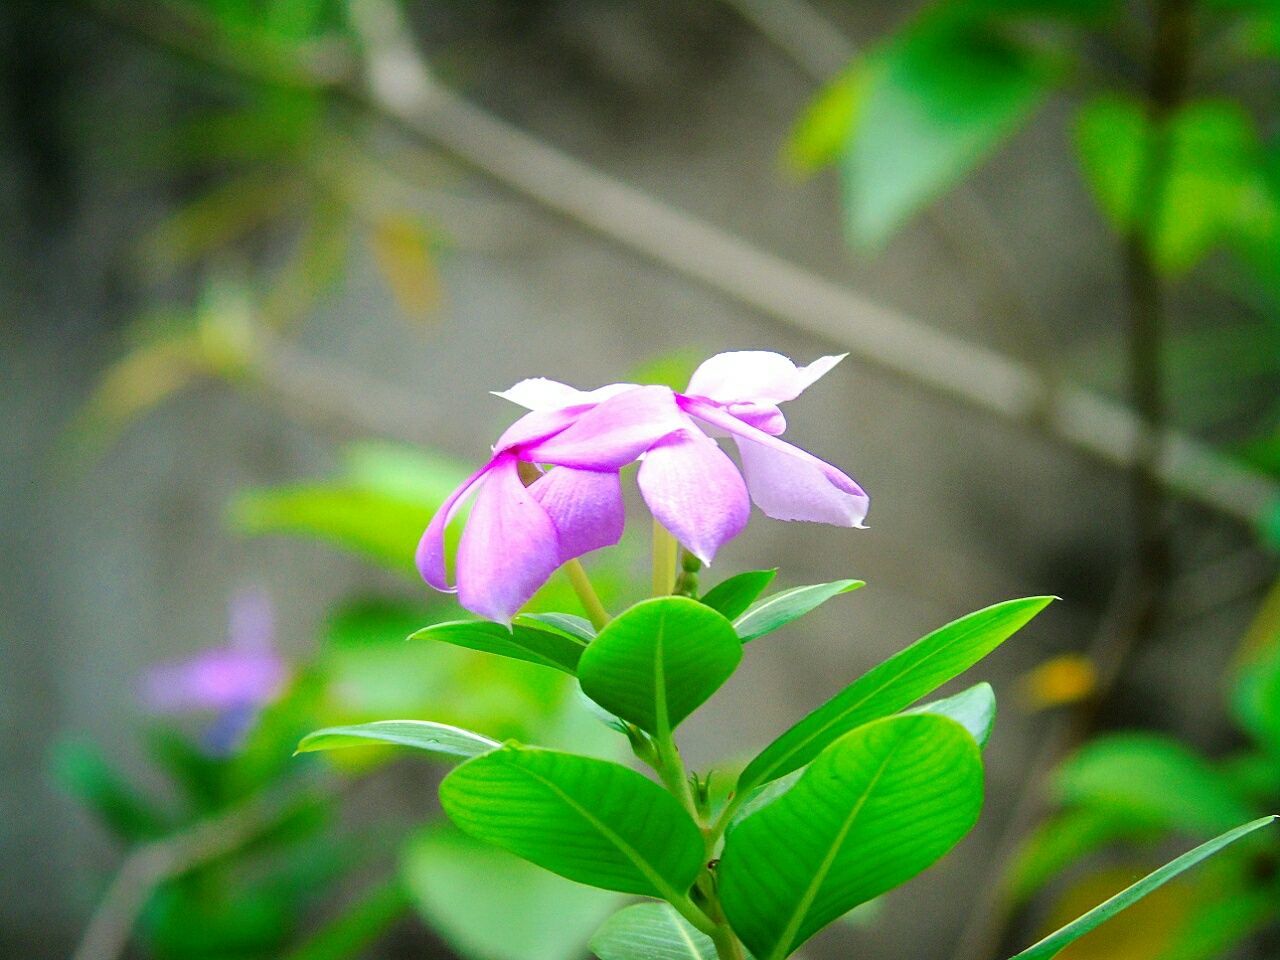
(657, 662)
(1062, 840)
(937, 100)
(871, 811)
(435, 738)
(974, 709)
(378, 508)
(82, 771)
(358, 926)
(893, 685)
(530, 640)
(1053, 944)
(489, 905)
(651, 931)
(781, 608)
(590, 820)
(1152, 779)
(569, 623)
(819, 136)
(732, 596)
(1211, 166)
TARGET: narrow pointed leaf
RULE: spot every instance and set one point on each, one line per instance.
(590, 820)
(531, 640)
(651, 931)
(874, 809)
(657, 662)
(569, 623)
(974, 709)
(733, 595)
(781, 608)
(893, 685)
(438, 738)
(1056, 942)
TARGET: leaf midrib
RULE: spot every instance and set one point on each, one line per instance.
(757, 609)
(637, 860)
(782, 948)
(804, 742)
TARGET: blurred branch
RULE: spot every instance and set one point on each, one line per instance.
(150, 865)
(808, 38)
(402, 89)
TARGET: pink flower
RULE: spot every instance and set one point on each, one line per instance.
(517, 536)
(234, 682)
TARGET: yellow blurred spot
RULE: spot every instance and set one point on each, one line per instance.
(1143, 932)
(402, 249)
(1066, 679)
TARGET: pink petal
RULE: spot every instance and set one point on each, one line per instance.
(509, 547)
(789, 488)
(536, 426)
(614, 433)
(584, 505)
(430, 553)
(695, 491)
(787, 483)
(539, 393)
(755, 376)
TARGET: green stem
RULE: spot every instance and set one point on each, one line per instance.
(595, 610)
(727, 945)
(664, 561)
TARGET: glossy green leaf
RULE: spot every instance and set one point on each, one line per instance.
(893, 685)
(939, 98)
(569, 623)
(530, 640)
(1152, 779)
(651, 931)
(733, 595)
(779, 609)
(657, 662)
(874, 809)
(1211, 166)
(1053, 944)
(487, 904)
(438, 738)
(589, 820)
(974, 709)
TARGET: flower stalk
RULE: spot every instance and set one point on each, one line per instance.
(587, 596)
(665, 550)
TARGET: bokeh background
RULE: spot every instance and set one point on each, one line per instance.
(215, 284)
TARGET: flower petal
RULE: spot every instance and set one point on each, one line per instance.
(786, 487)
(430, 553)
(787, 483)
(755, 376)
(695, 491)
(614, 433)
(539, 393)
(584, 505)
(509, 547)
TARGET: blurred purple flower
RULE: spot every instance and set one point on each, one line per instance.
(517, 536)
(234, 681)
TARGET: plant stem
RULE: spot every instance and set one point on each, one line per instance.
(664, 560)
(727, 945)
(595, 610)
